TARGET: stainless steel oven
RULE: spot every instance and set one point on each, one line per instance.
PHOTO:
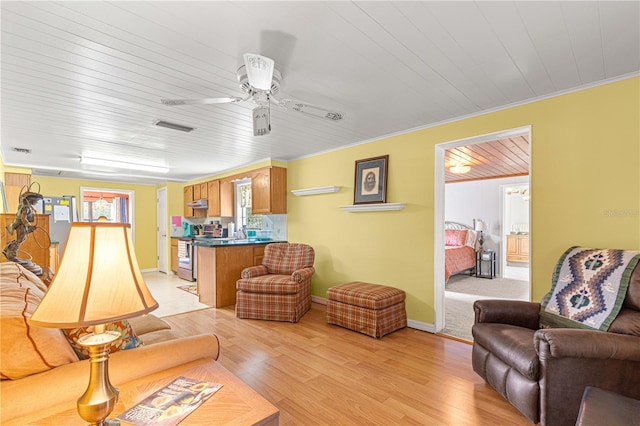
(186, 259)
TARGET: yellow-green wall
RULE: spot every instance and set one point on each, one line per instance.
(585, 187)
(144, 218)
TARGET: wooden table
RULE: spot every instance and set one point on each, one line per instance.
(234, 404)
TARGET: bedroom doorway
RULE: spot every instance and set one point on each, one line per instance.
(490, 160)
(515, 252)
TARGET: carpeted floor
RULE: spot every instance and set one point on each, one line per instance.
(460, 293)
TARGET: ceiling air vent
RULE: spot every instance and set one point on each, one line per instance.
(173, 126)
(21, 150)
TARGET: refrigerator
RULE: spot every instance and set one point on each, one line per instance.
(62, 211)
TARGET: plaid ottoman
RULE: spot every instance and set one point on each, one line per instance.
(371, 309)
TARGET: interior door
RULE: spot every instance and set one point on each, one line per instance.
(162, 227)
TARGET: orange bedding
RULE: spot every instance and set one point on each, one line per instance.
(458, 259)
(457, 256)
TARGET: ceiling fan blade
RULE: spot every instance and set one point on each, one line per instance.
(259, 71)
(203, 101)
(305, 108)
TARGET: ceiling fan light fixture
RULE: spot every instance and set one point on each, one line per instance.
(93, 161)
(261, 120)
(259, 71)
(460, 169)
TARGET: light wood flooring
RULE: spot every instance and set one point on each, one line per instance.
(319, 374)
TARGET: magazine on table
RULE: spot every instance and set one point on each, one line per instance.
(171, 404)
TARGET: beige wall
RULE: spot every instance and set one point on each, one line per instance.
(585, 188)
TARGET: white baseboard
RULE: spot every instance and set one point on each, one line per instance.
(318, 299)
(423, 326)
(149, 270)
(418, 325)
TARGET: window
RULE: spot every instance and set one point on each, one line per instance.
(243, 206)
(108, 205)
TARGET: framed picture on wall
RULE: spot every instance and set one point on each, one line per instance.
(371, 180)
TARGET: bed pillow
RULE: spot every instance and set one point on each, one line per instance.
(455, 237)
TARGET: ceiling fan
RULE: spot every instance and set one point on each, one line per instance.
(260, 81)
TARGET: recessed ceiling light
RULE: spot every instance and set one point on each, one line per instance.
(460, 169)
(123, 164)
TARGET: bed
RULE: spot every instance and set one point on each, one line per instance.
(459, 249)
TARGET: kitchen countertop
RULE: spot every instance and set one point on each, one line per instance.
(225, 242)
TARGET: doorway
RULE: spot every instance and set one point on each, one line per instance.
(111, 205)
(439, 213)
(515, 251)
(162, 239)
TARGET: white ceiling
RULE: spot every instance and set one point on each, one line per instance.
(87, 77)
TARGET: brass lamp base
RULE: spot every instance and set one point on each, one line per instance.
(100, 398)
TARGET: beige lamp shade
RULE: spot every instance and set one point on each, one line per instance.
(98, 280)
(480, 225)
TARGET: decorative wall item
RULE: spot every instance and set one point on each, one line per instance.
(371, 180)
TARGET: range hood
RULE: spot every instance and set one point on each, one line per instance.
(197, 204)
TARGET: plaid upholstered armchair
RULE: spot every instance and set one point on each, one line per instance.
(280, 288)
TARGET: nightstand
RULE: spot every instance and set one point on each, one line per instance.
(486, 264)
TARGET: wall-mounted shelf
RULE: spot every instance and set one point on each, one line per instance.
(315, 191)
(373, 207)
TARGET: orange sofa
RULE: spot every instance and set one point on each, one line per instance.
(39, 367)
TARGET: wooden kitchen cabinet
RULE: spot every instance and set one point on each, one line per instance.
(220, 267)
(188, 197)
(517, 248)
(41, 256)
(213, 198)
(218, 270)
(200, 191)
(227, 205)
(258, 254)
(192, 193)
(220, 199)
(269, 191)
(174, 255)
(196, 192)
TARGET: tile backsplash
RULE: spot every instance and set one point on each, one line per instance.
(277, 224)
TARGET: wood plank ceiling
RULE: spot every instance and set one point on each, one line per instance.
(489, 160)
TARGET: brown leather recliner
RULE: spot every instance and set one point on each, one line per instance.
(544, 372)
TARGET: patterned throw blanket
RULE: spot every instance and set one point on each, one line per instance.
(589, 286)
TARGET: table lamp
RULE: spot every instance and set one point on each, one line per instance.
(98, 282)
(480, 226)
